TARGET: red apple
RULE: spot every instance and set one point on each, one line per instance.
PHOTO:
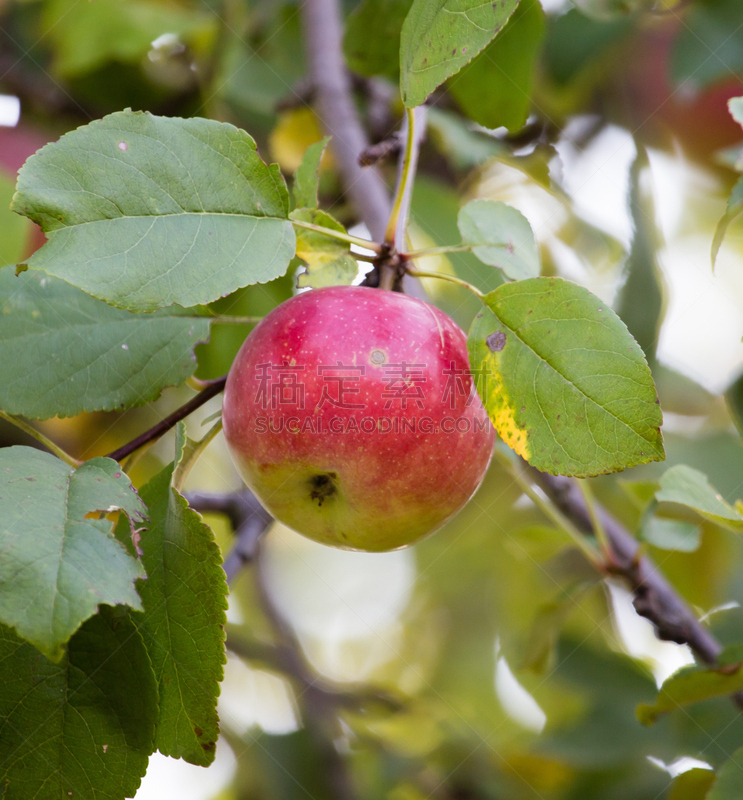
(353, 415)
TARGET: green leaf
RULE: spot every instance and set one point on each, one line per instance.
(372, 40)
(692, 784)
(82, 728)
(329, 262)
(692, 685)
(564, 383)
(144, 212)
(728, 783)
(306, 177)
(501, 237)
(184, 601)
(63, 352)
(15, 231)
(495, 88)
(440, 36)
(57, 567)
(671, 534)
(734, 207)
(689, 487)
(87, 35)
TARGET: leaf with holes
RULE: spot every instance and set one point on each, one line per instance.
(63, 352)
(82, 728)
(184, 600)
(58, 565)
(563, 382)
(501, 237)
(146, 212)
(440, 36)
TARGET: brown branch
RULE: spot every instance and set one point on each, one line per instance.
(332, 85)
(212, 389)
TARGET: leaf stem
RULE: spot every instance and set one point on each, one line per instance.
(343, 237)
(48, 443)
(437, 251)
(363, 257)
(598, 526)
(398, 215)
(211, 389)
(417, 273)
(547, 507)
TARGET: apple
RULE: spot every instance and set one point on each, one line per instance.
(353, 416)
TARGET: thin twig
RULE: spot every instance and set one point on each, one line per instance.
(48, 443)
(343, 237)
(323, 34)
(596, 523)
(211, 390)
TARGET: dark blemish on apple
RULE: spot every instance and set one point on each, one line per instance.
(323, 486)
(31, 480)
(198, 731)
(377, 357)
(496, 341)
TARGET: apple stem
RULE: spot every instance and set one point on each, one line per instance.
(48, 443)
(366, 244)
(417, 273)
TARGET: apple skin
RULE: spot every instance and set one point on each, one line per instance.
(333, 472)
